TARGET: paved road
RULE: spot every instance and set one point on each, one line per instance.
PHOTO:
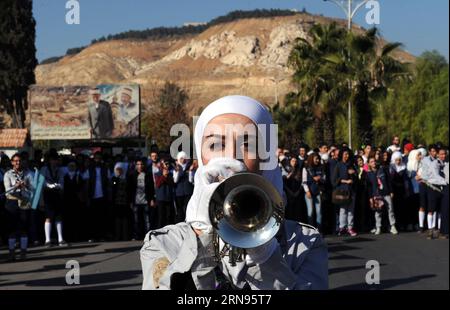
(407, 261)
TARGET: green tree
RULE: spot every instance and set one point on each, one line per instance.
(368, 71)
(417, 109)
(318, 85)
(17, 56)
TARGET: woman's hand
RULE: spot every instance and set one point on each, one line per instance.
(206, 180)
(308, 195)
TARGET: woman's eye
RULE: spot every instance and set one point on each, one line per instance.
(218, 146)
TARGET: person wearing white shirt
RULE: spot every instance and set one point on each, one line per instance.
(432, 175)
(395, 147)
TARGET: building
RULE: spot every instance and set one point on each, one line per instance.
(14, 140)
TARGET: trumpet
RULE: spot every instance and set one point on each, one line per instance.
(246, 211)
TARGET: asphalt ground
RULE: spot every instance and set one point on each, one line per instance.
(406, 261)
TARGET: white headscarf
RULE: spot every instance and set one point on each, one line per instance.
(250, 108)
(397, 155)
(423, 151)
(413, 163)
(120, 165)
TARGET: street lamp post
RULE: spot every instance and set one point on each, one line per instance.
(350, 12)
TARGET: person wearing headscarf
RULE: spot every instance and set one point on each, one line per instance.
(183, 188)
(400, 189)
(415, 168)
(296, 258)
(121, 211)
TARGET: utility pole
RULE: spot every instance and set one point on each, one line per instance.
(350, 12)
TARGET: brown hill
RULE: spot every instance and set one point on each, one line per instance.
(247, 57)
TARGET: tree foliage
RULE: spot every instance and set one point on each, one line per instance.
(167, 109)
(17, 56)
(417, 109)
(334, 67)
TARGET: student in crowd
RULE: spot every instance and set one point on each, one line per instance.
(18, 185)
(363, 213)
(413, 201)
(367, 152)
(74, 208)
(395, 147)
(435, 182)
(400, 189)
(444, 204)
(153, 164)
(331, 214)
(183, 188)
(344, 176)
(293, 188)
(380, 196)
(53, 194)
(323, 153)
(423, 199)
(120, 203)
(97, 177)
(406, 150)
(302, 157)
(142, 198)
(164, 195)
(192, 170)
(314, 178)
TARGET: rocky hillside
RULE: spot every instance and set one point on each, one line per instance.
(247, 57)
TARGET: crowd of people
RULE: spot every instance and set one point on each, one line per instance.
(402, 188)
(105, 198)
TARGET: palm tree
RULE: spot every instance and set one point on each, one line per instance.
(368, 70)
(318, 86)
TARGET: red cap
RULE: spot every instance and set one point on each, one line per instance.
(409, 147)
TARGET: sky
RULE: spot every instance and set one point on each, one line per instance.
(419, 24)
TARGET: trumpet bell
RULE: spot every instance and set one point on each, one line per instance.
(246, 210)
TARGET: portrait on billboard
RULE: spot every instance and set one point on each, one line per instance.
(85, 112)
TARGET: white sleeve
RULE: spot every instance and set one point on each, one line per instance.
(176, 176)
(305, 180)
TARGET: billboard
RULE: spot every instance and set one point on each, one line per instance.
(104, 111)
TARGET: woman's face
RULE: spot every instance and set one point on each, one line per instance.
(398, 161)
(293, 162)
(419, 156)
(377, 155)
(372, 163)
(360, 162)
(224, 137)
(385, 156)
(345, 156)
(119, 171)
(316, 160)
